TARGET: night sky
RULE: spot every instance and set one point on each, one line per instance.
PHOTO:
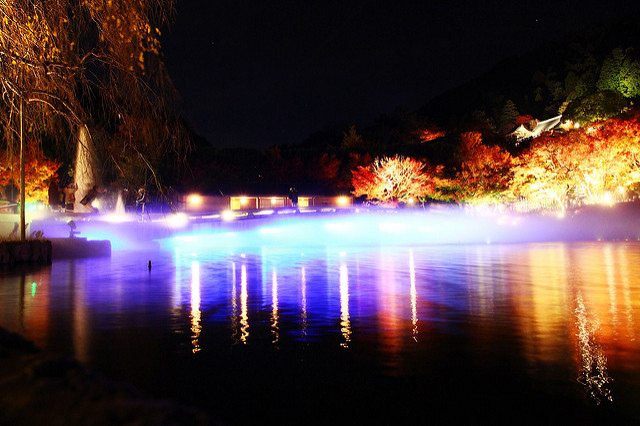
(259, 74)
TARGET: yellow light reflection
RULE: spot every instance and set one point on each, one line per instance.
(612, 285)
(244, 316)
(414, 297)
(196, 327)
(345, 324)
(274, 306)
(542, 306)
(626, 296)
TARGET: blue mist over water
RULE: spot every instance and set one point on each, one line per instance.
(353, 227)
(358, 316)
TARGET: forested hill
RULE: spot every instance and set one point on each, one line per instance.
(539, 83)
(591, 75)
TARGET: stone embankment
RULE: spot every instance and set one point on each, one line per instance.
(29, 251)
(38, 388)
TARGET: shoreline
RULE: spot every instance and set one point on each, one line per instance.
(37, 387)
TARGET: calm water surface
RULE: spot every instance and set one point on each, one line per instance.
(527, 333)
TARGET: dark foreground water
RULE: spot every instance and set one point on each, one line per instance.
(523, 333)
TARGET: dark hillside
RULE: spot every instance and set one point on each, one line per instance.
(537, 82)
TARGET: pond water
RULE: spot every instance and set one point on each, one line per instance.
(526, 333)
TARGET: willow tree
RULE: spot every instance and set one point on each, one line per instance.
(70, 69)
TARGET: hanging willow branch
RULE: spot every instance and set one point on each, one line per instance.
(90, 62)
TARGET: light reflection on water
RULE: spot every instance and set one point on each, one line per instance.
(556, 318)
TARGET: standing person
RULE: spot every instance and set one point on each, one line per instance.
(141, 201)
(54, 195)
(293, 196)
(70, 195)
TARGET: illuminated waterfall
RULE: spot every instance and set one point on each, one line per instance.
(85, 174)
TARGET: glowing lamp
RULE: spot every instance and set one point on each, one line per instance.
(194, 200)
(177, 220)
(342, 201)
(227, 215)
(243, 200)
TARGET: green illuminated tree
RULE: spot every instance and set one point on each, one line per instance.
(620, 72)
(508, 115)
(596, 106)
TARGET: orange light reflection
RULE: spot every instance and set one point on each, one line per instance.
(196, 326)
(345, 323)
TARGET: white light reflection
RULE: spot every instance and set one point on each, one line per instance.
(244, 316)
(234, 304)
(414, 297)
(593, 373)
(274, 306)
(344, 305)
(303, 315)
(196, 327)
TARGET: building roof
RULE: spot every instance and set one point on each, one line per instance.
(521, 132)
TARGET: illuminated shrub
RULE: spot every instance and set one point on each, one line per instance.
(390, 179)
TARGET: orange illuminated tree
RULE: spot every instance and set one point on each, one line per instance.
(581, 165)
(483, 174)
(39, 171)
(544, 174)
(394, 179)
(429, 134)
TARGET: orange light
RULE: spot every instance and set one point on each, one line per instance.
(194, 200)
(343, 201)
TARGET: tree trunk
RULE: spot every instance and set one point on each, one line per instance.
(22, 185)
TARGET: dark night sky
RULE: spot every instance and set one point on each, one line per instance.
(265, 73)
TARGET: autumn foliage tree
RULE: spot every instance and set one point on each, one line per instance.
(393, 179)
(38, 171)
(429, 134)
(325, 169)
(483, 173)
(582, 165)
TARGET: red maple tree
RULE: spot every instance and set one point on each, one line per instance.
(38, 171)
